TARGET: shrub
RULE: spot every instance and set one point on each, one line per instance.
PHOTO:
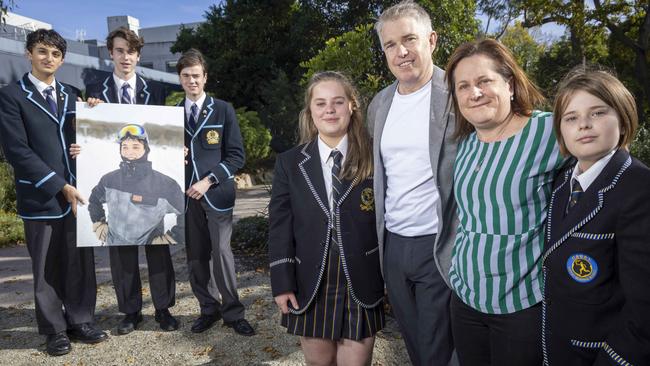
(251, 232)
(256, 138)
(11, 229)
(7, 188)
(641, 145)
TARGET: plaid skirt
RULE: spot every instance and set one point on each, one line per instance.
(334, 314)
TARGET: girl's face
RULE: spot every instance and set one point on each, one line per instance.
(590, 128)
(331, 110)
(132, 149)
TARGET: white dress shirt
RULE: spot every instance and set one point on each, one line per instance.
(589, 176)
(41, 86)
(327, 162)
(188, 107)
(118, 85)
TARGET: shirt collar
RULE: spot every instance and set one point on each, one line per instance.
(119, 82)
(325, 150)
(189, 102)
(587, 177)
(40, 85)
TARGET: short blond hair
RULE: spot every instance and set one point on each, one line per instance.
(404, 9)
(604, 86)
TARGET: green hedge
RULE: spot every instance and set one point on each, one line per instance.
(11, 229)
(251, 232)
(7, 188)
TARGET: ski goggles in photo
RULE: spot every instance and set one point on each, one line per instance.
(132, 130)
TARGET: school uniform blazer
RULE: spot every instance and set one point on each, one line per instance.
(35, 143)
(299, 234)
(442, 153)
(145, 93)
(217, 150)
(596, 308)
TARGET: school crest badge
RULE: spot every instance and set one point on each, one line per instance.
(582, 268)
(212, 137)
(367, 200)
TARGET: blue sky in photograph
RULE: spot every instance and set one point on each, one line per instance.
(69, 16)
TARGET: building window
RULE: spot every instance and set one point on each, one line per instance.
(148, 65)
(171, 66)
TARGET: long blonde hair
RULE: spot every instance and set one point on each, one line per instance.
(358, 162)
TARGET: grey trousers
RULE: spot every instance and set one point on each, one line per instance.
(419, 298)
(64, 275)
(207, 236)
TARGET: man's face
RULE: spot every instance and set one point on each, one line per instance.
(124, 59)
(193, 79)
(45, 60)
(132, 149)
(408, 48)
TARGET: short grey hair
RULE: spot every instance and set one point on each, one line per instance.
(404, 9)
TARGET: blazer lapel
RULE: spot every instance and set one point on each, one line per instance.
(437, 124)
(204, 113)
(33, 95)
(109, 92)
(63, 95)
(142, 93)
(310, 167)
(382, 115)
(590, 203)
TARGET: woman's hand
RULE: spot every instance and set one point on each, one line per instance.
(282, 299)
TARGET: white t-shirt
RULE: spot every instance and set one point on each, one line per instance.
(411, 192)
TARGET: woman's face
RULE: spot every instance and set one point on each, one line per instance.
(331, 110)
(483, 95)
(132, 149)
(590, 128)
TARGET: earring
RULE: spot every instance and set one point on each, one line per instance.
(512, 97)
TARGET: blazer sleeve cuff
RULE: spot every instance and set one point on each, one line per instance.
(51, 183)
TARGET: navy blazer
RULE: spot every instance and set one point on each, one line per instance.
(215, 149)
(299, 231)
(36, 143)
(596, 308)
(145, 93)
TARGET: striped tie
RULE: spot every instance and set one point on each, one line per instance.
(576, 192)
(49, 98)
(192, 120)
(126, 98)
(336, 181)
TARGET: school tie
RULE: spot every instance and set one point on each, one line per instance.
(336, 182)
(192, 120)
(576, 192)
(126, 98)
(49, 91)
(336, 194)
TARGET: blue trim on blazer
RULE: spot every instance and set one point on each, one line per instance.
(196, 173)
(62, 136)
(29, 97)
(106, 89)
(227, 171)
(46, 217)
(24, 181)
(45, 179)
(144, 90)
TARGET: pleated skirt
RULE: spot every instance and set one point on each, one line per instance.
(334, 314)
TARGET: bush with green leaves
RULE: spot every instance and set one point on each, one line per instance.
(641, 145)
(11, 229)
(7, 188)
(256, 137)
(251, 233)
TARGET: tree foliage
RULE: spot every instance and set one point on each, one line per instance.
(256, 138)
(523, 46)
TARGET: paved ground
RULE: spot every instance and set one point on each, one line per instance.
(21, 345)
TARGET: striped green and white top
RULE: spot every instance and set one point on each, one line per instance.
(502, 190)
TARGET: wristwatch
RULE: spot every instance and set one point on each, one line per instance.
(213, 180)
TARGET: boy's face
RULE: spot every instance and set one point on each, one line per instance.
(590, 128)
(193, 79)
(124, 58)
(132, 149)
(45, 60)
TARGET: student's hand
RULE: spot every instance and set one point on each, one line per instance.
(164, 239)
(186, 151)
(92, 102)
(75, 150)
(100, 228)
(72, 196)
(198, 189)
(282, 299)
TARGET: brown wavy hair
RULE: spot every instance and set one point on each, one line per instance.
(526, 95)
(135, 42)
(358, 162)
(604, 86)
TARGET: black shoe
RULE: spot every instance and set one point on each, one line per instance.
(87, 333)
(204, 322)
(58, 344)
(129, 323)
(241, 327)
(166, 320)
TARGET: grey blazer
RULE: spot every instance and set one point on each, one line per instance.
(442, 151)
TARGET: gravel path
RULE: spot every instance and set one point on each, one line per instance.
(21, 345)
